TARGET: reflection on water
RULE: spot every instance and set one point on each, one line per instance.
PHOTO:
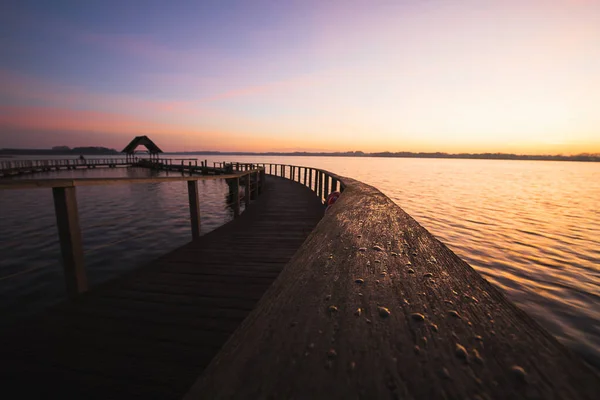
(122, 226)
(529, 227)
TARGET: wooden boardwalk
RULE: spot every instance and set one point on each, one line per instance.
(150, 333)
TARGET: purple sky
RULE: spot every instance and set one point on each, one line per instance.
(435, 75)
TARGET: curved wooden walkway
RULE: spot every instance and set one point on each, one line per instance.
(150, 333)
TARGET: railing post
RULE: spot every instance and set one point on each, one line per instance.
(305, 174)
(270, 169)
(247, 190)
(262, 180)
(327, 186)
(254, 193)
(236, 200)
(321, 185)
(69, 233)
(194, 208)
(310, 174)
(323, 178)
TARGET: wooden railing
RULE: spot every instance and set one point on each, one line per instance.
(173, 161)
(15, 166)
(67, 215)
(320, 181)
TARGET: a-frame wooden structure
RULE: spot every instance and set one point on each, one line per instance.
(153, 149)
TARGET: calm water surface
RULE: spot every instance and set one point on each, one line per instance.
(532, 228)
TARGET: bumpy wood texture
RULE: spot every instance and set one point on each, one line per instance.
(373, 306)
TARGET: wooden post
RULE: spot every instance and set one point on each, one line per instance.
(262, 180)
(327, 190)
(321, 185)
(254, 193)
(318, 183)
(69, 234)
(305, 174)
(270, 169)
(247, 191)
(310, 174)
(236, 200)
(190, 167)
(194, 208)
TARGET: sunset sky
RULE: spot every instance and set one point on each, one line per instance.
(312, 75)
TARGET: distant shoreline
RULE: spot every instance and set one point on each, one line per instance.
(88, 151)
(7, 153)
(479, 156)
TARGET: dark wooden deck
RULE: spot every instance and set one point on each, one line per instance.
(150, 333)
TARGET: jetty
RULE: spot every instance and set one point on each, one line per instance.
(290, 299)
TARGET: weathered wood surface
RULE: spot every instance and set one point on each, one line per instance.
(52, 183)
(323, 329)
(150, 333)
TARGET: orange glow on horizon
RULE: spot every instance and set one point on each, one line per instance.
(508, 76)
(117, 130)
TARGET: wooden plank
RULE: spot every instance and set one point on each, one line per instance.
(194, 202)
(429, 326)
(71, 246)
(236, 197)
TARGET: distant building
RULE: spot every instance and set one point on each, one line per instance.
(152, 149)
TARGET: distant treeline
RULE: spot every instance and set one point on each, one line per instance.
(60, 150)
(65, 150)
(407, 154)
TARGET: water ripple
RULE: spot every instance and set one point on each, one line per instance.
(531, 228)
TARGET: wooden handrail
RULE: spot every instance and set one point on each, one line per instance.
(325, 181)
(51, 183)
(372, 305)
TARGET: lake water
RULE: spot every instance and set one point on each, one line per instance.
(532, 228)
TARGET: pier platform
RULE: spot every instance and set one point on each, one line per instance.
(151, 332)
